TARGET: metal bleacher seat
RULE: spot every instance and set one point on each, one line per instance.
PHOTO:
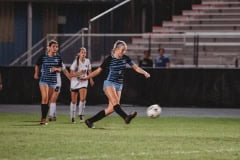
(215, 22)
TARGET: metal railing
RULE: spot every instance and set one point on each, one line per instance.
(96, 18)
(36, 49)
(185, 50)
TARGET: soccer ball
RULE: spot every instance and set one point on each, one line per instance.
(154, 111)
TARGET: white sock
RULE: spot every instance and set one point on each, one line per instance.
(54, 106)
(52, 109)
(72, 110)
(81, 107)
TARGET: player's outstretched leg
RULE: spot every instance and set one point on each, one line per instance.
(127, 118)
(130, 117)
(100, 115)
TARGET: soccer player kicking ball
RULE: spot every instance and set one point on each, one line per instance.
(115, 64)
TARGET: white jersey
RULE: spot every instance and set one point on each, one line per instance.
(59, 81)
(84, 67)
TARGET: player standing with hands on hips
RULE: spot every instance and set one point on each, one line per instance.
(115, 64)
(50, 65)
(80, 67)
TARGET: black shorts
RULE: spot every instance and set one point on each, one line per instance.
(76, 90)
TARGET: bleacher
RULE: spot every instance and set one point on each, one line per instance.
(216, 24)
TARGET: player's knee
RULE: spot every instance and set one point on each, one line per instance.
(82, 100)
(44, 101)
(74, 101)
(109, 110)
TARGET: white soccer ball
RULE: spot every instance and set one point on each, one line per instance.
(154, 111)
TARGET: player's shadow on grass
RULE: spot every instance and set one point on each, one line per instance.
(107, 128)
(32, 121)
(98, 128)
(28, 125)
(69, 123)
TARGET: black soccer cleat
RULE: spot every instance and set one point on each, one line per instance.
(52, 119)
(81, 117)
(130, 117)
(89, 124)
(73, 120)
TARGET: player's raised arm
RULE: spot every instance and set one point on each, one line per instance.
(141, 71)
(93, 74)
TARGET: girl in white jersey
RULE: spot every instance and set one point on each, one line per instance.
(80, 67)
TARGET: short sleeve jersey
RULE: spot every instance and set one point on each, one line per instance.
(116, 68)
(46, 63)
(85, 66)
(161, 61)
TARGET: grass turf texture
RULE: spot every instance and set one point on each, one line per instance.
(21, 138)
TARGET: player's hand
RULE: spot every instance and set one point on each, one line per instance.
(84, 78)
(147, 75)
(80, 73)
(69, 77)
(55, 69)
(91, 82)
(36, 76)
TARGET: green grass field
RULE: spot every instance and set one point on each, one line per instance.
(164, 138)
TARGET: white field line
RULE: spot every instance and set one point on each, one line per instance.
(133, 154)
(207, 151)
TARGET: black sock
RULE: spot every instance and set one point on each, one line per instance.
(100, 115)
(42, 110)
(45, 109)
(119, 111)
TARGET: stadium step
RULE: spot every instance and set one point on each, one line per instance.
(210, 19)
